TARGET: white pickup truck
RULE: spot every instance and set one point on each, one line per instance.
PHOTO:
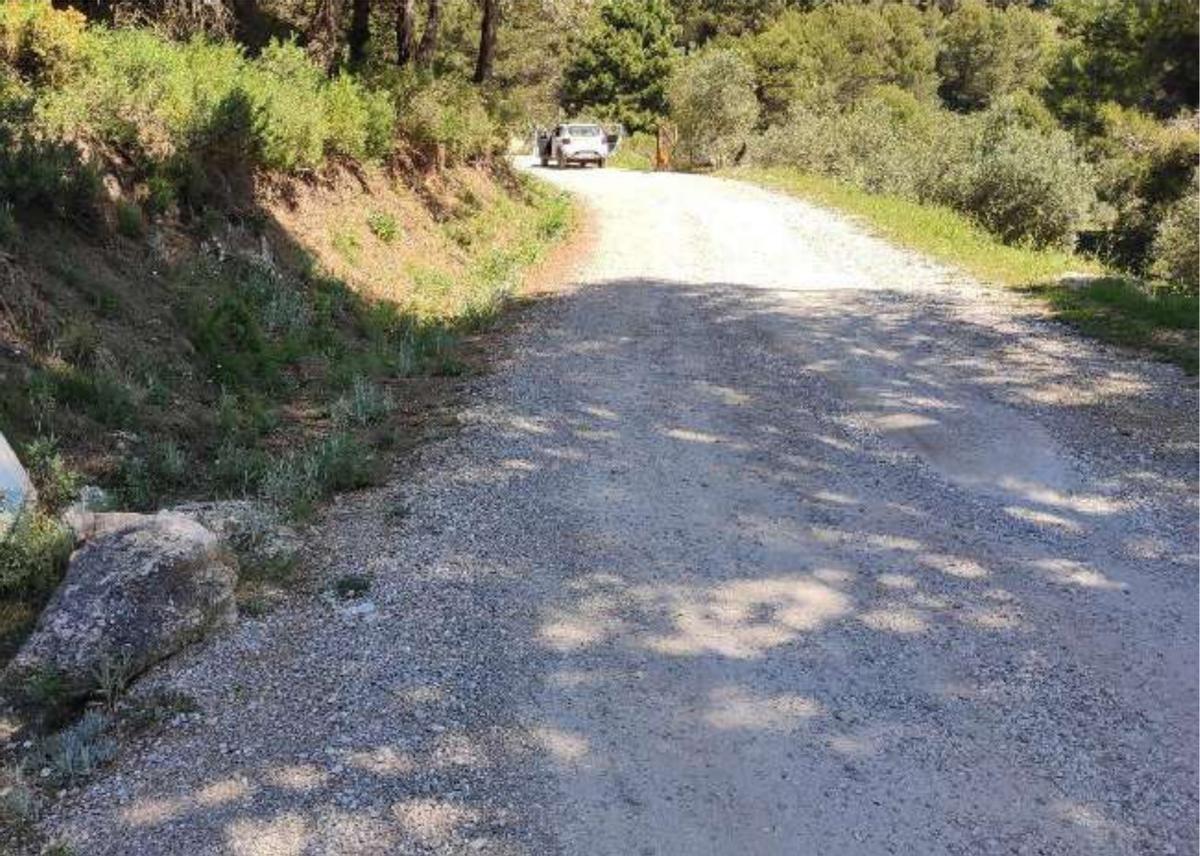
(575, 142)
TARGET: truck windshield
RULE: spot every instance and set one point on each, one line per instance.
(583, 130)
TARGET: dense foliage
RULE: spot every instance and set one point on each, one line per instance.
(712, 99)
(619, 69)
(1069, 123)
(1071, 126)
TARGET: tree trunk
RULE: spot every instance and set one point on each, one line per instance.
(406, 31)
(487, 41)
(360, 31)
(429, 39)
(324, 34)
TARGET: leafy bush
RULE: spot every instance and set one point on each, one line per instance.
(988, 52)
(33, 554)
(162, 101)
(38, 42)
(1176, 251)
(291, 119)
(1007, 167)
(295, 482)
(869, 147)
(365, 403)
(361, 122)
(450, 116)
(635, 152)
(383, 226)
(1031, 187)
(1144, 167)
(129, 219)
(713, 104)
(38, 176)
(8, 224)
(79, 749)
(98, 393)
(57, 484)
(834, 55)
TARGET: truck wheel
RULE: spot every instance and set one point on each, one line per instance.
(600, 163)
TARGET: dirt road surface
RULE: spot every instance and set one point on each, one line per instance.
(767, 539)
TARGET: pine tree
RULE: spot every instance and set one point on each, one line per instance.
(621, 67)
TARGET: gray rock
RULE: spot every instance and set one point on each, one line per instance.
(89, 525)
(16, 490)
(140, 591)
(251, 529)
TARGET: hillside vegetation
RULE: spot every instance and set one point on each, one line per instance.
(1066, 131)
(237, 236)
(228, 274)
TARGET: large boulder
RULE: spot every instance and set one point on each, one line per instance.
(16, 490)
(253, 530)
(140, 589)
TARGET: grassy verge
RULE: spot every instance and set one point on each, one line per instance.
(1077, 290)
(228, 378)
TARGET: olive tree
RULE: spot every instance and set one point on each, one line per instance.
(713, 104)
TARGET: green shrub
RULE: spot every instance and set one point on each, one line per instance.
(1176, 251)
(988, 52)
(168, 463)
(179, 105)
(1007, 167)
(33, 554)
(346, 244)
(1031, 187)
(39, 42)
(96, 393)
(129, 219)
(346, 115)
(1144, 167)
(449, 115)
(713, 105)
(57, 484)
(383, 226)
(78, 750)
(294, 483)
(237, 468)
(45, 177)
(361, 123)
(291, 123)
(8, 224)
(635, 152)
(364, 404)
(883, 144)
(555, 217)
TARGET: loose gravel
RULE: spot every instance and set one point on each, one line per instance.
(768, 539)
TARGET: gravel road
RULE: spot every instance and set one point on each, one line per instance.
(767, 539)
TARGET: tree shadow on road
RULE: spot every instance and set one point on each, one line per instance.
(727, 573)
